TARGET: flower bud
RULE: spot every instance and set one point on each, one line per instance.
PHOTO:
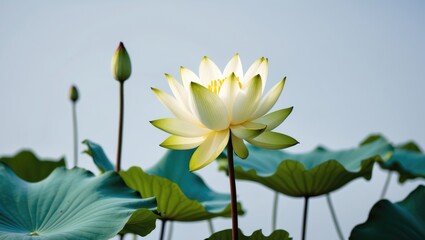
(73, 93)
(121, 64)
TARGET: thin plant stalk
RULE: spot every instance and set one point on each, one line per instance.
(75, 130)
(120, 127)
(305, 217)
(387, 183)
(334, 218)
(134, 236)
(274, 213)
(210, 226)
(161, 236)
(170, 230)
(232, 190)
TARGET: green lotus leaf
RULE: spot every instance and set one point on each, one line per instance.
(410, 146)
(99, 157)
(310, 174)
(29, 167)
(142, 221)
(407, 159)
(404, 220)
(68, 204)
(408, 164)
(181, 194)
(257, 235)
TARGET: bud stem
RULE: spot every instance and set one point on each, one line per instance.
(120, 127)
(74, 123)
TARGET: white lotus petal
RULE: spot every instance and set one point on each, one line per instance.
(174, 106)
(239, 147)
(248, 130)
(269, 100)
(187, 77)
(234, 66)
(178, 90)
(179, 127)
(209, 150)
(247, 100)
(260, 66)
(263, 70)
(273, 140)
(181, 143)
(208, 107)
(228, 92)
(208, 71)
(274, 119)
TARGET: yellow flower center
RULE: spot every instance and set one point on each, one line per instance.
(215, 85)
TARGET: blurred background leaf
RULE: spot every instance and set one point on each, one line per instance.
(29, 167)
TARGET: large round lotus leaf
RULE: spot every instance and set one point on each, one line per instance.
(29, 167)
(310, 174)
(257, 235)
(69, 204)
(408, 161)
(404, 220)
(181, 194)
(142, 221)
(408, 164)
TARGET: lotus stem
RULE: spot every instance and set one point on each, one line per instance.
(387, 183)
(274, 213)
(120, 127)
(161, 236)
(170, 230)
(210, 226)
(335, 220)
(134, 236)
(305, 217)
(75, 130)
(121, 236)
(232, 190)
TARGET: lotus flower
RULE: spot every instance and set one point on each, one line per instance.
(217, 107)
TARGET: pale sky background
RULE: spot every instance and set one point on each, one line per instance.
(353, 68)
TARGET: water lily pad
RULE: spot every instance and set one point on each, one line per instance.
(257, 235)
(181, 194)
(404, 220)
(310, 174)
(68, 204)
(29, 167)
